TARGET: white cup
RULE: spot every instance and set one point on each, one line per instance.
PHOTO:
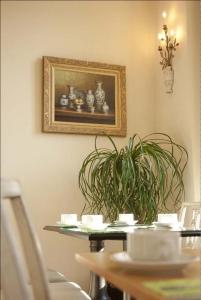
(154, 245)
(92, 219)
(168, 218)
(69, 219)
(128, 218)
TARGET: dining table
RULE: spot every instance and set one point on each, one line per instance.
(98, 289)
(182, 284)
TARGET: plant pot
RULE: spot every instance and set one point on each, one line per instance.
(168, 74)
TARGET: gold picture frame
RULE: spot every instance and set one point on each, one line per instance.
(84, 97)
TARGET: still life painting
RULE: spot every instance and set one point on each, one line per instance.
(84, 97)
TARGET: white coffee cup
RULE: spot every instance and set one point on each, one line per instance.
(69, 219)
(127, 218)
(168, 218)
(153, 245)
(92, 219)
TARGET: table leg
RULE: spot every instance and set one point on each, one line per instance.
(126, 296)
(98, 285)
(124, 245)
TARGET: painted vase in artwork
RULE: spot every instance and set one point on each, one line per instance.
(90, 99)
(72, 96)
(100, 96)
(63, 101)
(105, 108)
(92, 109)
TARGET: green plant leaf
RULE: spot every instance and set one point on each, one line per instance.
(144, 177)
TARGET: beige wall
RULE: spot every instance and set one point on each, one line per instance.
(179, 114)
(47, 165)
(119, 32)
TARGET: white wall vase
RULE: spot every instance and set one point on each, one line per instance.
(168, 75)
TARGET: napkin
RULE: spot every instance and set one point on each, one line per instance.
(176, 289)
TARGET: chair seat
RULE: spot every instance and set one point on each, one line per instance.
(61, 291)
(57, 277)
(54, 276)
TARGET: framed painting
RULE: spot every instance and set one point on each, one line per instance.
(84, 97)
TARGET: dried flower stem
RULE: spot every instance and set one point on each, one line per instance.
(167, 51)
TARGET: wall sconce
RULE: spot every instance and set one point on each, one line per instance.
(167, 47)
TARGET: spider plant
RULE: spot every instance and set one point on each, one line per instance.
(144, 178)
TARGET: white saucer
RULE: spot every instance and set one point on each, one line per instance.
(123, 224)
(123, 259)
(95, 227)
(66, 225)
(167, 224)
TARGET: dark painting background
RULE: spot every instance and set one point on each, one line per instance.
(84, 82)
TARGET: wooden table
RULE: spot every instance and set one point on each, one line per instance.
(128, 281)
(96, 244)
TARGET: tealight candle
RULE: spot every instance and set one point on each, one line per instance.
(127, 218)
(69, 219)
(92, 219)
(167, 218)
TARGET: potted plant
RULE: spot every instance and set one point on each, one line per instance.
(144, 178)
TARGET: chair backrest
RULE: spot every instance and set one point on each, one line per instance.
(12, 272)
(190, 218)
(14, 282)
(190, 215)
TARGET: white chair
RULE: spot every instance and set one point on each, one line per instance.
(190, 218)
(14, 283)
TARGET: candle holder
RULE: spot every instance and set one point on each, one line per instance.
(167, 47)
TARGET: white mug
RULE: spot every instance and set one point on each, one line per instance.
(150, 245)
(92, 219)
(128, 218)
(167, 218)
(69, 219)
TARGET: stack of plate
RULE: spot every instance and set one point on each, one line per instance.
(93, 226)
(123, 259)
(90, 226)
(60, 224)
(176, 225)
(118, 223)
